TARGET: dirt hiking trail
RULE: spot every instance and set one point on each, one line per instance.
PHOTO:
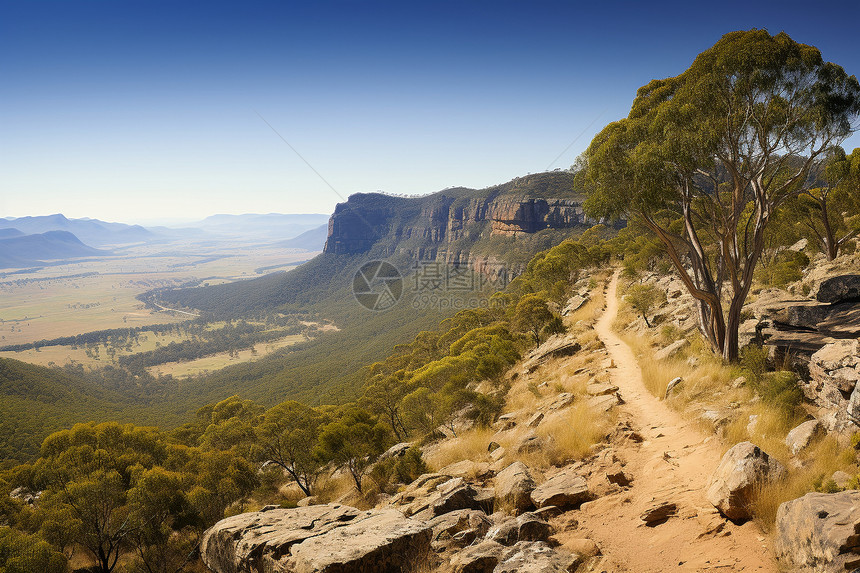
(672, 464)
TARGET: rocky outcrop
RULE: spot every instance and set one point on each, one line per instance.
(430, 226)
(834, 371)
(743, 468)
(844, 288)
(819, 532)
(801, 437)
(537, 557)
(514, 486)
(565, 489)
(515, 216)
(800, 326)
(321, 538)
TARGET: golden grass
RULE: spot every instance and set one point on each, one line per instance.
(570, 434)
(470, 445)
(592, 309)
(822, 460)
(567, 436)
(222, 359)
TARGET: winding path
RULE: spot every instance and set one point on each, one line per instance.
(672, 464)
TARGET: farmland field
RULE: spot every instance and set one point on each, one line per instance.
(68, 299)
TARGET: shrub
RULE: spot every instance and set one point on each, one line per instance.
(399, 470)
(754, 361)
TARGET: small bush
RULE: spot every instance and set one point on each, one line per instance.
(787, 267)
(754, 361)
(398, 470)
(779, 390)
(487, 408)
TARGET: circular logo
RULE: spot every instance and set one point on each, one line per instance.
(377, 285)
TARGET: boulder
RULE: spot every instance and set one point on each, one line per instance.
(480, 558)
(450, 524)
(466, 469)
(819, 532)
(537, 557)
(535, 420)
(461, 497)
(834, 371)
(513, 487)
(845, 288)
(743, 468)
(529, 443)
(841, 479)
(604, 403)
(326, 538)
(575, 303)
(498, 454)
(565, 489)
(532, 527)
(504, 533)
(800, 437)
(600, 388)
(673, 383)
(671, 350)
(396, 451)
(562, 401)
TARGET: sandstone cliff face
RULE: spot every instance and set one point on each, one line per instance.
(432, 224)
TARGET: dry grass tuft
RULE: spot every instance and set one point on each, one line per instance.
(471, 445)
(570, 434)
(823, 459)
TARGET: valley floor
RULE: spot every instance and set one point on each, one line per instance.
(672, 464)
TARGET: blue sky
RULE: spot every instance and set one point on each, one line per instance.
(145, 110)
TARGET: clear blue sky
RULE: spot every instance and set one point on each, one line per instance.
(137, 110)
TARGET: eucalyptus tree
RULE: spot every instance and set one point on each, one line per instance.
(705, 158)
(830, 212)
(287, 437)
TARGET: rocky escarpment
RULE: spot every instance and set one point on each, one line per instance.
(444, 225)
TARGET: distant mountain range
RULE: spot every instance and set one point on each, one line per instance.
(30, 241)
(313, 240)
(266, 226)
(89, 231)
(20, 250)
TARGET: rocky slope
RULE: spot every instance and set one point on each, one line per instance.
(635, 501)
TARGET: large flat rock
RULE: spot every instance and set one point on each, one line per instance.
(819, 532)
(327, 538)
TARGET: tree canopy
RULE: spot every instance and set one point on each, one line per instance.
(704, 159)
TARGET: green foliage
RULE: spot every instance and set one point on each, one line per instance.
(23, 553)
(531, 315)
(825, 484)
(288, 437)
(117, 489)
(780, 391)
(829, 215)
(754, 361)
(645, 298)
(395, 470)
(354, 440)
(787, 267)
(705, 158)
